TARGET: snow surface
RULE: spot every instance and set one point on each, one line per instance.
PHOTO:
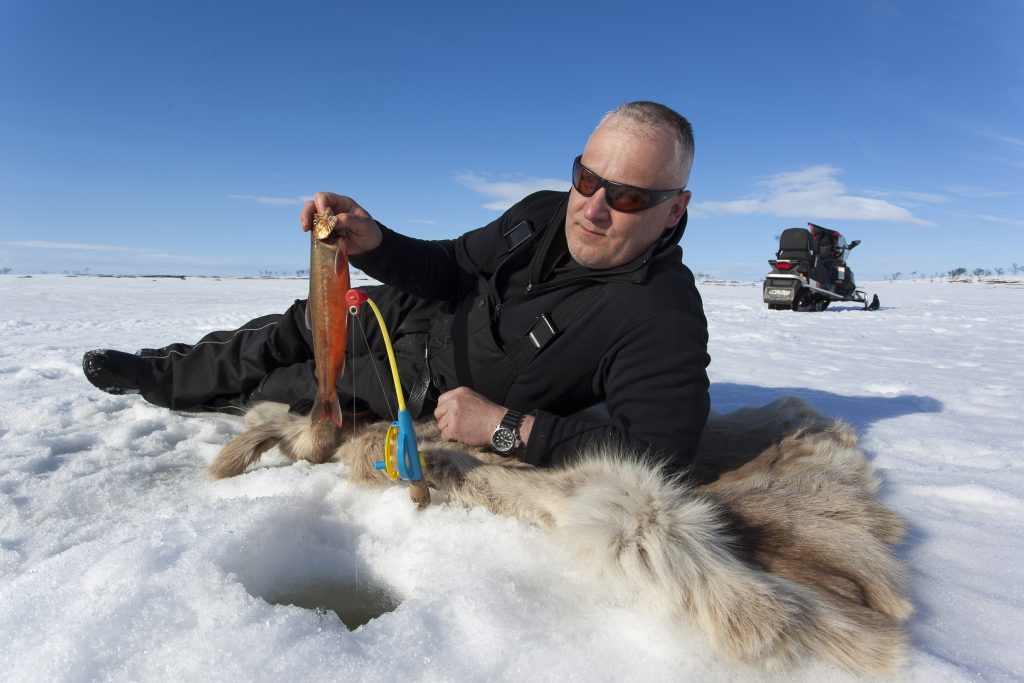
(121, 560)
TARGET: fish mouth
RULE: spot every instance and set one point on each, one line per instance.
(331, 239)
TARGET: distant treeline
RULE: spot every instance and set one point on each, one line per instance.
(954, 274)
(959, 273)
(301, 272)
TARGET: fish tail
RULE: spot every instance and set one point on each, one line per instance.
(326, 408)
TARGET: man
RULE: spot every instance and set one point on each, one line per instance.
(510, 332)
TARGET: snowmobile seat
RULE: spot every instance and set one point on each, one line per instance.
(795, 244)
(826, 246)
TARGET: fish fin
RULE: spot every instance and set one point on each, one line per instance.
(326, 409)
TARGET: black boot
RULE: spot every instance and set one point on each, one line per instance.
(116, 372)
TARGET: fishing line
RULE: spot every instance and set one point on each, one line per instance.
(373, 364)
(352, 352)
(402, 459)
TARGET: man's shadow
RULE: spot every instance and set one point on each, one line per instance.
(859, 411)
(747, 421)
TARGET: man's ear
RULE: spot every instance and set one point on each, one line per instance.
(679, 204)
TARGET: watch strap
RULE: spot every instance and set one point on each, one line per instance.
(511, 420)
(505, 438)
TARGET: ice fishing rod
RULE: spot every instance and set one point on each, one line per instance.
(402, 459)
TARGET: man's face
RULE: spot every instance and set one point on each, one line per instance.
(600, 237)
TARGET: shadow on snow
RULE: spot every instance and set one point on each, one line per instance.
(859, 411)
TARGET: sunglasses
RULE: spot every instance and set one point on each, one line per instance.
(619, 196)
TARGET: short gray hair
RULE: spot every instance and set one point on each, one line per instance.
(657, 117)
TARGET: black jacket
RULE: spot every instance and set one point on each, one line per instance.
(640, 347)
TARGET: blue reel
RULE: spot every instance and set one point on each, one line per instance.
(402, 459)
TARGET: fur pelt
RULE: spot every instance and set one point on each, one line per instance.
(775, 543)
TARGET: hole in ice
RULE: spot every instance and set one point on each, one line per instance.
(354, 602)
(296, 552)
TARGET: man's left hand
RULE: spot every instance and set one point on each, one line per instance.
(464, 415)
(467, 417)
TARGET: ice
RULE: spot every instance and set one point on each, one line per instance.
(120, 559)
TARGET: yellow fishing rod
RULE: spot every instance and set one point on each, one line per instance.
(402, 459)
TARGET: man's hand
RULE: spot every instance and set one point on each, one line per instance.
(354, 222)
(465, 416)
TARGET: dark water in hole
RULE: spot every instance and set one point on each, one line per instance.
(355, 602)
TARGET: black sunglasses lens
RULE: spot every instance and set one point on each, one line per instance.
(625, 198)
(585, 182)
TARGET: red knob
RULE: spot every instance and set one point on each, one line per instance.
(355, 298)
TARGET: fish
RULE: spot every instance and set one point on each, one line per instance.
(327, 312)
(327, 309)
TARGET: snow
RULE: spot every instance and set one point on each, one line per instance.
(120, 560)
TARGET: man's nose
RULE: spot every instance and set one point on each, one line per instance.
(596, 208)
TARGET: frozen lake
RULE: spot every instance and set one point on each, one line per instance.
(121, 560)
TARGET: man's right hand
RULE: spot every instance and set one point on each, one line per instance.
(359, 228)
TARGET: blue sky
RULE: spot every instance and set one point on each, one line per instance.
(181, 137)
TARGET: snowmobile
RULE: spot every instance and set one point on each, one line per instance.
(809, 271)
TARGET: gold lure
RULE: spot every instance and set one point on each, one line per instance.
(323, 224)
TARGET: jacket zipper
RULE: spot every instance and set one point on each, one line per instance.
(532, 290)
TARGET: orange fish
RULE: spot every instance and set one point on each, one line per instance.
(327, 312)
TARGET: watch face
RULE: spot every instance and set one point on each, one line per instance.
(503, 440)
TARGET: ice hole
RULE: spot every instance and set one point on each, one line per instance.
(354, 602)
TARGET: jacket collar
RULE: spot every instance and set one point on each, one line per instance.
(553, 246)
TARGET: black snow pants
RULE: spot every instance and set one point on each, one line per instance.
(271, 359)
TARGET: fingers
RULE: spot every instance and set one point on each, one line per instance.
(326, 200)
(466, 416)
(350, 223)
(441, 415)
(448, 402)
(306, 216)
(337, 204)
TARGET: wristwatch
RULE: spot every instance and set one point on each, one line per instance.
(505, 438)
